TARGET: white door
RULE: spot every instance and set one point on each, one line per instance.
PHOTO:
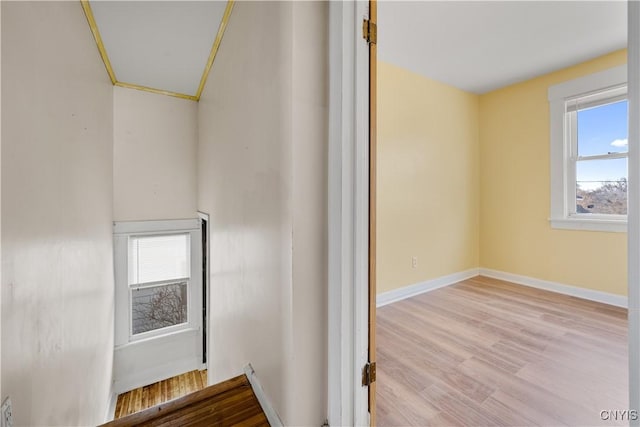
(158, 301)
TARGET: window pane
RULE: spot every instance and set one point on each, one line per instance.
(601, 186)
(603, 129)
(157, 258)
(158, 307)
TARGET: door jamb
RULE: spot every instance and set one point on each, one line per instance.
(633, 219)
(348, 214)
(206, 299)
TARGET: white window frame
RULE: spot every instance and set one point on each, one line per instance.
(187, 280)
(564, 150)
(123, 232)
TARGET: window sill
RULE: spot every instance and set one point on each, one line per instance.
(590, 224)
(169, 336)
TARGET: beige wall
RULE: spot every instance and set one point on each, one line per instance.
(310, 118)
(514, 156)
(154, 156)
(261, 177)
(428, 189)
(57, 269)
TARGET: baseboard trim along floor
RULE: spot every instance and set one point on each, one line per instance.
(405, 292)
(560, 288)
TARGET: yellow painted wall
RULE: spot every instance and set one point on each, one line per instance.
(428, 169)
(463, 182)
(515, 234)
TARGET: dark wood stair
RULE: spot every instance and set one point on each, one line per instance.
(229, 403)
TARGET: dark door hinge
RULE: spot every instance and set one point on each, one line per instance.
(368, 374)
(370, 31)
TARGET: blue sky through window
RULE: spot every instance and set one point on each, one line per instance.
(602, 130)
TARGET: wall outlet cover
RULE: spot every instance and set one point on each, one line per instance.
(6, 417)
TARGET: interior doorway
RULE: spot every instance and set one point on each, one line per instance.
(470, 270)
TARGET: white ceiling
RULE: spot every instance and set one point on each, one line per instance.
(163, 45)
(479, 46)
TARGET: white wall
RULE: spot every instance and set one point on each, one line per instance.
(262, 178)
(244, 183)
(154, 156)
(57, 268)
(310, 118)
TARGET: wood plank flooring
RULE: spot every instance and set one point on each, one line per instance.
(154, 394)
(487, 352)
(229, 403)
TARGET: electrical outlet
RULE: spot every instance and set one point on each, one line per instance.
(414, 262)
(6, 417)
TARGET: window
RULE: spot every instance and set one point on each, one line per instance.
(588, 118)
(159, 275)
(158, 279)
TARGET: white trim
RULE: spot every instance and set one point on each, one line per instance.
(169, 335)
(111, 407)
(633, 234)
(563, 155)
(405, 292)
(587, 224)
(428, 285)
(347, 400)
(593, 82)
(123, 328)
(559, 153)
(361, 220)
(141, 227)
(588, 294)
(340, 252)
(269, 411)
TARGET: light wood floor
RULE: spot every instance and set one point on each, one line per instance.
(154, 394)
(487, 352)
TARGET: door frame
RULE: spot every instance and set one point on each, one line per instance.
(372, 108)
(206, 291)
(348, 214)
(633, 218)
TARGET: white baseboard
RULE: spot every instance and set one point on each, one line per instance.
(589, 294)
(270, 413)
(440, 282)
(422, 287)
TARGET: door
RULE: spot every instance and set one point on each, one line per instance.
(371, 35)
